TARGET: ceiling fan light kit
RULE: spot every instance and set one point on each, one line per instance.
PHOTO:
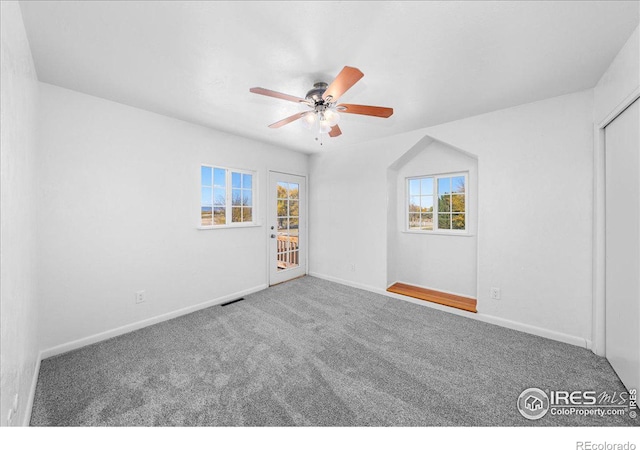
(323, 101)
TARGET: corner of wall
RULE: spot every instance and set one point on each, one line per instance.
(18, 281)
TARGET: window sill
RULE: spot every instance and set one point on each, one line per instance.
(438, 233)
(224, 227)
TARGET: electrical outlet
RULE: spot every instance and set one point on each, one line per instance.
(353, 267)
(495, 293)
(139, 296)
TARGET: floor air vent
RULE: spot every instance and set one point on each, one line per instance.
(232, 301)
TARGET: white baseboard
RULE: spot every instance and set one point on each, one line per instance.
(82, 342)
(532, 329)
(32, 392)
(506, 323)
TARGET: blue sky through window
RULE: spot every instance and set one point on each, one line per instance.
(205, 173)
(219, 176)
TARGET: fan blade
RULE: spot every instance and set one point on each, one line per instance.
(270, 93)
(347, 77)
(365, 110)
(290, 119)
(335, 131)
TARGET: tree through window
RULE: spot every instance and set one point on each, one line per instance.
(437, 203)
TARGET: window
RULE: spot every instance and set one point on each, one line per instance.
(227, 196)
(437, 203)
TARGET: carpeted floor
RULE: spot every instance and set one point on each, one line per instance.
(312, 352)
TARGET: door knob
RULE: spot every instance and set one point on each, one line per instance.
(273, 236)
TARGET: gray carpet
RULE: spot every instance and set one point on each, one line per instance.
(311, 352)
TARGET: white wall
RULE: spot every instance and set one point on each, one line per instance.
(18, 300)
(348, 201)
(534, 211)
(120, 199)
(437, 261)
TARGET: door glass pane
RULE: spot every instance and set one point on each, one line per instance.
(283, 208)
(293, 226)
(293, 208)
(293, 190)
(283, 190)
(294, 259)
(292, 243)
(281, 261)
(283, 224)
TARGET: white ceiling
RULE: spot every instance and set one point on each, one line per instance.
(433, 62)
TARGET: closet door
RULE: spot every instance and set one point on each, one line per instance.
(622, 148)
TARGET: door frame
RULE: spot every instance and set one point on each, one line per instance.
(598, 327)
(304, 209)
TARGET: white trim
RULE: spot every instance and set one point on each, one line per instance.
(82, 342)
(624, 104)
(233, 225)
(32, 392)
(437, 233)
(598, 292)
(505, 323)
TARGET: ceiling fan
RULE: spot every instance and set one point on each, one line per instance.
(322, 99)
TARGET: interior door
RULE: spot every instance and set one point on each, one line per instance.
(622, 145)
(287, 227)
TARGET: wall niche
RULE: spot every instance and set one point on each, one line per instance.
(443, 262)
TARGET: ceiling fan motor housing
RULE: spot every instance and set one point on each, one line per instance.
(315, 94)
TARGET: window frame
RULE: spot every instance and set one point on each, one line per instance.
(436, 230)
(229, 171)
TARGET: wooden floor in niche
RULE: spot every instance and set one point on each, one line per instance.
(442, 298)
